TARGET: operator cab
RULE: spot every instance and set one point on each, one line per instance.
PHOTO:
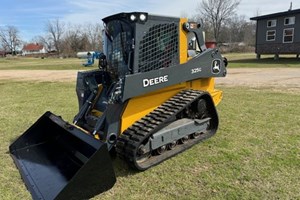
(119, 41)
(137, 42)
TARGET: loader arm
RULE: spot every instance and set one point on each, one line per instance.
(198, 67)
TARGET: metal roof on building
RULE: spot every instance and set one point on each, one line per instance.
(33, 47)
(286, 13)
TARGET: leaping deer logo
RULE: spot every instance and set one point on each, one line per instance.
(216, 66)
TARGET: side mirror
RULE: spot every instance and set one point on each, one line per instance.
(225, 61)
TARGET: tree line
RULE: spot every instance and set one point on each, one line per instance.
(69, 39)
(60, 38)
(223, 26)
(217, 17)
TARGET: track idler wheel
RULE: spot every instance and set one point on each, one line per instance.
(172, 145)
(195, 135)
(184, 139)
(161, 150)
(142, 155)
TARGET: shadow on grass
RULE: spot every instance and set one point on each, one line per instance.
(122, 169)
(267, 62)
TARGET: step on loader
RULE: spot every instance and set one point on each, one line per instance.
(152, 97)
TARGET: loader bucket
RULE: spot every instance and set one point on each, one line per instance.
(59, 161)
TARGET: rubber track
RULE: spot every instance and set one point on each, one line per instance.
(129, 142)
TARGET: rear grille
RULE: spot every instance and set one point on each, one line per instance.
(159, 48)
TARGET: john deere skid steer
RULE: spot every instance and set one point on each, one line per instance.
(152, 97)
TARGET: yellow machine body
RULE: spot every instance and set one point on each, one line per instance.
(138, 107)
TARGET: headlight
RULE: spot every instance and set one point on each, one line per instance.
(143, 17)
(132, 17)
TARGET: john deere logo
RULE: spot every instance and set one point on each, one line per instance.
(216, 66)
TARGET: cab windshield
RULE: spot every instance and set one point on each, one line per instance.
(118, 42)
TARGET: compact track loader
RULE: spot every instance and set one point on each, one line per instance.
(152, 97)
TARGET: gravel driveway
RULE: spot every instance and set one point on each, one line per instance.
(39, 75)
(260, 77)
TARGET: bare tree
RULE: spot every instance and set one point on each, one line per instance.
(93, 33)
(236, 28)
(10, 38)
(81, 38)
(68, 39)
(75, 40)
(56, 29)
(250, 31)
(216, 12)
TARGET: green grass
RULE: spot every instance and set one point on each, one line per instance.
(248, 60)
(21, 104)
(236, 60)
(19, 63)
(254, 155)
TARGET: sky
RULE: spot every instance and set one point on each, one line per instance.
(30, 16)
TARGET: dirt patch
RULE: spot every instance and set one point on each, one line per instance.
(262, 77)
(39, 75)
